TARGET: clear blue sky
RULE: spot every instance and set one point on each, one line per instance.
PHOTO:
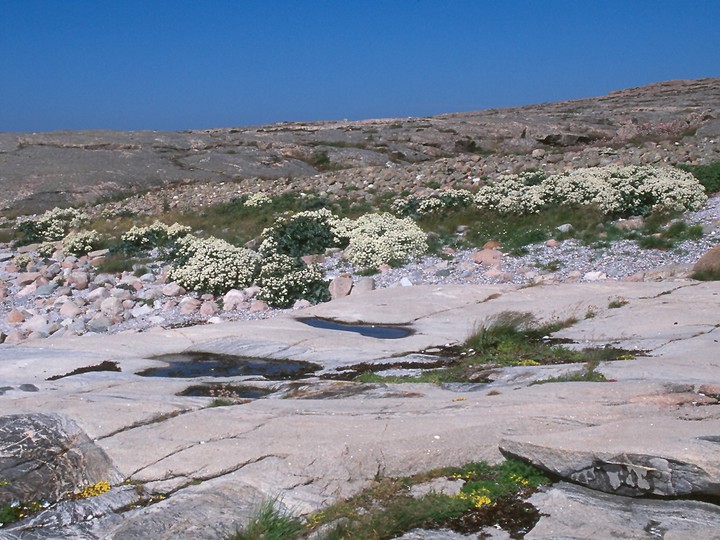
(193, 64)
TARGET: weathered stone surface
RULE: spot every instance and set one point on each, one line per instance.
(340, 286)
(569, 511)
(488, 257)
(173, 289)
(46, 455)
(327, 439)
(710, 262)
(75, 167)
(664, 457)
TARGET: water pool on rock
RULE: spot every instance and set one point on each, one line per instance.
(368, 330)
(198, 364)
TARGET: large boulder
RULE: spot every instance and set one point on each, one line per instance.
(45, 456)
(709, 263)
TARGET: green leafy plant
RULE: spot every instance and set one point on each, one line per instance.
(284, 279)
(708, 175)
(510, 339)
(51, 226)
(304, 233)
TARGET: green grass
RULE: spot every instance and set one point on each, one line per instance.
(386, 509)
(511, 339)
(270, 523)
(490, 495)
(588, 374)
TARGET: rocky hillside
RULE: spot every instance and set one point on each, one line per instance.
(673, 122)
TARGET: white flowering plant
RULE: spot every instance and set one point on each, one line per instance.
(304, 233)
(375, 239)
(46, 249)
(615, 191)
(513, 194)
(51, 226)
(284, 279)
(80, 243)
(212, 265)
(450, 199)
(258, 200)
(158, 234)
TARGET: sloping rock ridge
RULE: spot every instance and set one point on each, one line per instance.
(639, 125)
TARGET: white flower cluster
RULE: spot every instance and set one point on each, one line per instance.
(632, 190)
(22, 260)
(256, 200)
(53, 225)
(156, 235)
(80, 243)
(512, 194)
(212, 265)
(451, 199)
(46, 249)
(375, 239)
(284, 279)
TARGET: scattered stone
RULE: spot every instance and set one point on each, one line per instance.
(99, 323)
(487, 257)
(363, 285)
(709, 262)
(189, 305)
(208, 309)
(340, 286)
(258, 305)
(173, 289)
(711, 390)
(15, 317)
(595, 276)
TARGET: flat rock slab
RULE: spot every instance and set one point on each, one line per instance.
(313, 442)
(568, 511)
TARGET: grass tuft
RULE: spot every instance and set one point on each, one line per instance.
(270, 523)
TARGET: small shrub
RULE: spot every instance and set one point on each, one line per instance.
(22, 260)
(52, 226)
(212, 265)
(81, 243)
(157, 235)
(708, 175)
(257, 200)
(445, 201)
(304, 233)
(284, 279)
(375, 239)
(46, 249)
(616, 191)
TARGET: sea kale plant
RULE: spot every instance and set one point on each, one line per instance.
(257, 200)
(156, 235)
(284, 279)
(212, 265)
(51, 226)
(616, 191)
(446, 200)
(304, 233)
(375, 239)
(80, 243)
